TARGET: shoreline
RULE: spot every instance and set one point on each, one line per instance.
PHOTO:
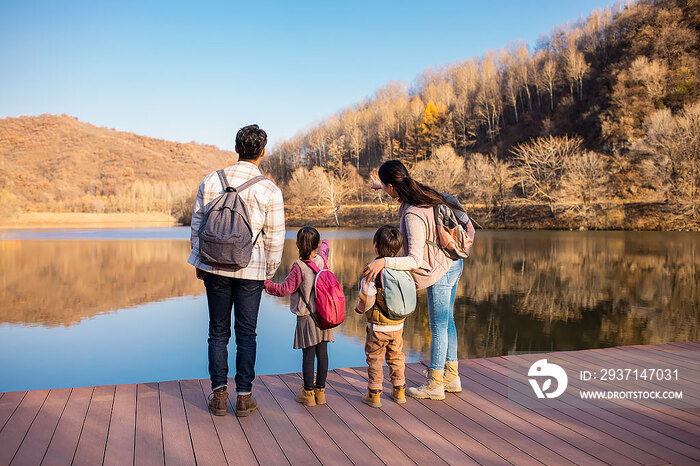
(356, 216)
(81, 220)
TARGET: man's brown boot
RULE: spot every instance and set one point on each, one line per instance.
(245, 404)
(218, 401)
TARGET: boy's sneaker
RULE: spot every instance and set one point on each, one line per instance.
(320, 395)
(372, 398)
(452, 382)
(306, 397)
(399, 394)
(432, 388)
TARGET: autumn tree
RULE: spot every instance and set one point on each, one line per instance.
(540, 166)
(673, 145)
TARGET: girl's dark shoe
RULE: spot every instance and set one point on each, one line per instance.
(217, 402)
(245, 404)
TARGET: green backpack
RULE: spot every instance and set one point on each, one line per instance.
(399, 291)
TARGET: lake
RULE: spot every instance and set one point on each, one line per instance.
(94, 307)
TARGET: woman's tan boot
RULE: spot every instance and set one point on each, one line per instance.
(432, 388)
(452, 382)
(320, 395)
(306, 397)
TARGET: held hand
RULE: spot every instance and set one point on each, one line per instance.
(199, 273)
(373, 268)
(376, 184)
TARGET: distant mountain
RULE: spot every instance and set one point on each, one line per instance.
(57, 163)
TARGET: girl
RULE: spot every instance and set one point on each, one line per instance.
(430, 269)
(312, 340)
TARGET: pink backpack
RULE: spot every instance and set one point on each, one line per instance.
(330, 300)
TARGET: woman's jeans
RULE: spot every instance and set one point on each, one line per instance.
(441, 303)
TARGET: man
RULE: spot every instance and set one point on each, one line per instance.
(243, 288)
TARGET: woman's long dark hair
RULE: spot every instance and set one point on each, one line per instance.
(410, 191)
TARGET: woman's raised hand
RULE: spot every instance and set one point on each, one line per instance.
(376, 184)
(373, 268)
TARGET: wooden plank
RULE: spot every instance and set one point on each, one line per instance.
(660, 420)
(578, 434)
(342, 435)
(177, 443)
(91, 446)
(320, 443)
(624, 421)
(8, 404)
(521, 419)
(65, 439)
(685, 344)
(371, 436)
(636, 421)
(148, 445)
(122, 427)
(631, 432)
(433, 431)
(35, 443)
(19, 423)
(205, 442)
(589, 425)
(233, 441)
(684, 354)
(397, 433)
(511, 444)
(687, 381)
(293, 445)
(261, 441)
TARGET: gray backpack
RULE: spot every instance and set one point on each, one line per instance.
(225, 235)
(399, 291)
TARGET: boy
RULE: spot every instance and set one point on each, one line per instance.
(384, 336)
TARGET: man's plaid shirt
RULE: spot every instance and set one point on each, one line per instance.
(266, 211)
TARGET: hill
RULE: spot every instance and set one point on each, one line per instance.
(596, 126)
(59, 164)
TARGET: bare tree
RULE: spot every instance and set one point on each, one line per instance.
(549, 78)
(489, 104)
(541, 165)
(575, 63)
(652, 75)
(673, 143)
(585, 182)
(444, 171)
(489, 180)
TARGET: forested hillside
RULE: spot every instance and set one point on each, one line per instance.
(595, 126)
(53, 163)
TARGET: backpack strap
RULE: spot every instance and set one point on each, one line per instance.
(314, 267)
(250, 183)
(224, 181)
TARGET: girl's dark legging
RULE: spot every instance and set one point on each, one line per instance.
(320, 352)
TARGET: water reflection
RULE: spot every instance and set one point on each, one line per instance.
(548, 291)
(519, 290)
(54, 283)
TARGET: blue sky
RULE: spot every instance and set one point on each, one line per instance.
(198, 71)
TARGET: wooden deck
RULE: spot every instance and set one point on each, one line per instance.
(168, 423)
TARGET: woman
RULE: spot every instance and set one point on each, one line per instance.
(430, 269)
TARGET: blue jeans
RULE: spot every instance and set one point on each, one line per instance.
(223, 293)
(441, 303)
